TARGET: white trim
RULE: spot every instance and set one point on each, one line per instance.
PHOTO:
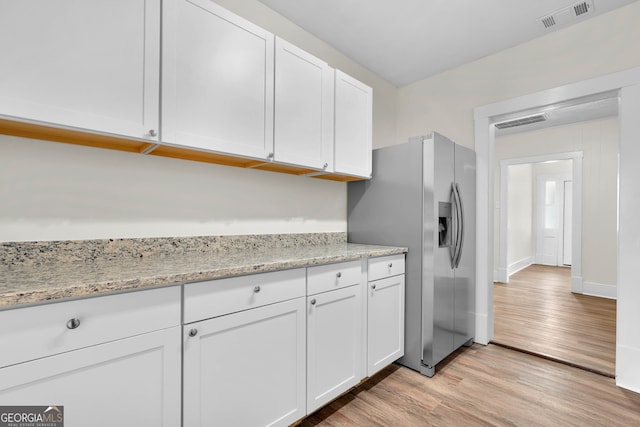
(599, 290)
(519, 265)
(577, 286)
(576, 230)
(501, 275)
(628, 371)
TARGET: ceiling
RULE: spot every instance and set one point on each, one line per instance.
(404, 41)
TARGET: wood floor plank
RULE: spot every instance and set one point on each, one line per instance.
(537, 312)
(484, 386)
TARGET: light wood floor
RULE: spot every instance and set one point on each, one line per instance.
(484, 386)
(536, 312)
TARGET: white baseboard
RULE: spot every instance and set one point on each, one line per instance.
(482, 335)
(599, 290)
(576, 284)
(500, 275)
(519, 265)
(627, 372)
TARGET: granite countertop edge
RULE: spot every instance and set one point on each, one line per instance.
(36, 285)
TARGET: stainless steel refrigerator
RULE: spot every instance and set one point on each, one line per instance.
(422, 196)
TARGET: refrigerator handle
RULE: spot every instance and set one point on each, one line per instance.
(460, 225)
(453, 247)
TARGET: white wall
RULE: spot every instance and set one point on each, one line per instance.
(520, 214)
(445, 102)
(52, 191)
(599, 142)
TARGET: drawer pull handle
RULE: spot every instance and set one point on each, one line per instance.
(390, 264)
(373, 287)
(313, 301)
(256, 289)
(73, 323)
(339, 275)
(193, 332)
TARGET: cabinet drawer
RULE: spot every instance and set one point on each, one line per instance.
(214, 298)
(325, 278)
(33, 332)
(386, 266)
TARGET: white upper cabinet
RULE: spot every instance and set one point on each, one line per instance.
(353, 126)
(83, 64)
(217, 80)
(303, 108)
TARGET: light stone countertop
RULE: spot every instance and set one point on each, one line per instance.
(27, 283)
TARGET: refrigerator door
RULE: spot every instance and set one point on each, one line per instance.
(438, 274)
(465, 273)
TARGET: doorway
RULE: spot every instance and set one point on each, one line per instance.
(627, 83)
(538, 294)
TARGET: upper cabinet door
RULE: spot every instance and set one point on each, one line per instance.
(303, 108)
(217, 80)
(353, 126)
(84, 64)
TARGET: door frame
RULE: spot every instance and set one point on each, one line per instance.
(627, 82)
(502, 274)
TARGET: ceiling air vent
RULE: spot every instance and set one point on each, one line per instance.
(582, 8)
(548, 21)
(521, 121)
(568, 14)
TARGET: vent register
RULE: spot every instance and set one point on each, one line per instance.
(521, 121)
(567, 14)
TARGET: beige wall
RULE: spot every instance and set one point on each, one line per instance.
(445, 102)
(599, 142)
(520, 214)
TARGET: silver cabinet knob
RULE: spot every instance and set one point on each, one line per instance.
(193, 332)
(270, 156)
(152, 132)
(390, 264)
(373, 286)
(73, 323)
(339, 275)
(326, 165)
(313, 301)
(256, 289)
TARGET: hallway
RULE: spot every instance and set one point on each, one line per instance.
(537, 313)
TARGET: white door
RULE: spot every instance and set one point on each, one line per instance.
(303, 108)
(217, 80)
(385, 324)
(246, 368)
(550, 206)
(353, 126)
(334, 344)
(87, 64)
(132, 382)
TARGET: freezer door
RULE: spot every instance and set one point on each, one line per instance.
(438, 276)
(465, 273)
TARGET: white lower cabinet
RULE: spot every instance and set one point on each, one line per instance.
(132, 381)
(247, 368)
(385, 312)
(334, 342)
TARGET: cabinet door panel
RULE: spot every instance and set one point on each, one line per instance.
(131, 382)
(303, 108)
(93, 65)
(385, 322)
(334, 344)
(246, 368)
(217, 80)
(353, 126)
